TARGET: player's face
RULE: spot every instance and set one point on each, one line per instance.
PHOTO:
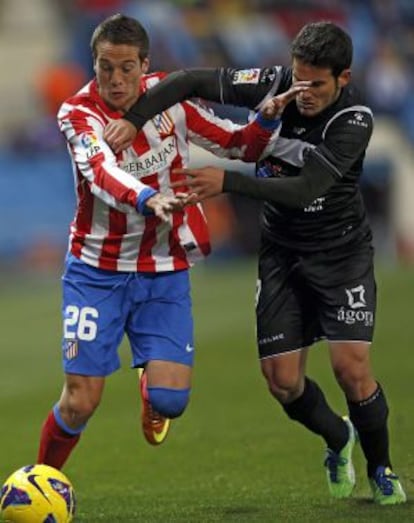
(324, 90)
(118, 71)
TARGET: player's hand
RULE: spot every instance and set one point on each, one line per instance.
(200, 184)
(163, 205)
(119, 134)
(275, 106)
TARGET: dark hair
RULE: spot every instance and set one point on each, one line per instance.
(119, 29)
(323, 44)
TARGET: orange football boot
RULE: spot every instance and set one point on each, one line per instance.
(154, 426)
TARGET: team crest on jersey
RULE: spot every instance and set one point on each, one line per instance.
(91, 143)
(70, 349)
(163, 123)
(246, 76)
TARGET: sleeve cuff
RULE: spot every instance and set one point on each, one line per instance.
(136, 119)
(269, 125)
(230, 180)
(143, 196)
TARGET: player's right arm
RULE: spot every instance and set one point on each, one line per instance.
(242, 87)
(96, 163)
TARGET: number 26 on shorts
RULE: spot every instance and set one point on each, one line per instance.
(80, 323)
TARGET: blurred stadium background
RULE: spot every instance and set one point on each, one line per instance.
(44, 56)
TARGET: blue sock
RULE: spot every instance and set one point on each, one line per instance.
(170, 403)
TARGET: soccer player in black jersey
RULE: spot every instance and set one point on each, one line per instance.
(316, 276)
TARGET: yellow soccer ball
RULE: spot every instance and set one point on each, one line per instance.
(37, 494)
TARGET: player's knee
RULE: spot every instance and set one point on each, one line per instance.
(353, 370)
(80, 409)
(68, 422)
(171, 403)
(79, 400)
(284, 390)
(283, 385)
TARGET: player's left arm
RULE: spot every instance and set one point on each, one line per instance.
(345, 141)
(242, 87)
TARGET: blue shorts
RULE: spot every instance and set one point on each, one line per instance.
(100, 306)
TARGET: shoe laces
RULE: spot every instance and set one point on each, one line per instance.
(332, 462)
(383, 478)
(154, 416)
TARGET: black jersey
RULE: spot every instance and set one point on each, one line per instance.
(338, 137)
(329, 146)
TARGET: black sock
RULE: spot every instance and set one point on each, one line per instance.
(312, 411)
(369, 417)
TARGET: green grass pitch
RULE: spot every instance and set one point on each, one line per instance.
(233, 456)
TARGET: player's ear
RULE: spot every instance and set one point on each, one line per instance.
(145, 65)
(344, 78)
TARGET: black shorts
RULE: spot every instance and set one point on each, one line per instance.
(304, 297)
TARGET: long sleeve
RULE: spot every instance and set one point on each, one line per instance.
(95, 161)
(295, 192)
(328, 163)
(226, 139)
(241, 87)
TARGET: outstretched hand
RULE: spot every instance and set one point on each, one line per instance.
(163, 206)
(275, 106)
(200, 184)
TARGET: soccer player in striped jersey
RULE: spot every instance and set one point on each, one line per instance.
(316, 272)
(132, 240)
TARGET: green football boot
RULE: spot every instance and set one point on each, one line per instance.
(340, 471)
(386, 487)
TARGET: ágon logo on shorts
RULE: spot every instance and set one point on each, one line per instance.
(354, 314)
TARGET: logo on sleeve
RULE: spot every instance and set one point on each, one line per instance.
(358, 119)
(91, 143)
(246, 76)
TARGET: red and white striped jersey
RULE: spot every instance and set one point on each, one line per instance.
(107, 231)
